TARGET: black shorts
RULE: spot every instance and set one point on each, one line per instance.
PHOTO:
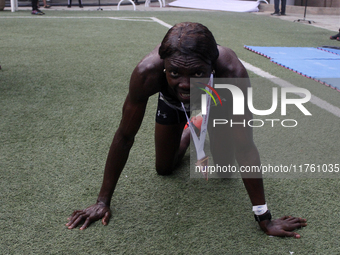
(167, 115)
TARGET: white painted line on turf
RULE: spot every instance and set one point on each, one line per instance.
(161, 22)
(132, 19)
(257, 70)
(278, 81)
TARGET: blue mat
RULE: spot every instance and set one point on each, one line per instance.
(320, 64)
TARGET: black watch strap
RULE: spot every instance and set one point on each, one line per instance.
(266, 216)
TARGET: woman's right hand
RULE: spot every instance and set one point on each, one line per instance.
(89, 215)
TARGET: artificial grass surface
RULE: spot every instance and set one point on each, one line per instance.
(63, 83)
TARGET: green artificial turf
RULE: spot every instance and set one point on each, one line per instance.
(62, 85)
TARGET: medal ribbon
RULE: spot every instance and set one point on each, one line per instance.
(199, 142)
